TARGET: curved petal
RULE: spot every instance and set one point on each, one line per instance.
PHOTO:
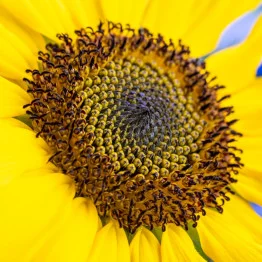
(60, 13)
(20, 151)
(246, 216)
(128, 12)
(197, 23)
(237, 31)
(110, 244)
(235, 67)
(249, 185)
(74, 238)
(31, 207)
(248, 109)
(15, 55)
(12, 99)
(252, 153)
(33, 40)
(174, 21)
(11, 122)
(215, 24)
(231, 236)
(176, 245)
(145, 247)
(47, 17)
(85, 12)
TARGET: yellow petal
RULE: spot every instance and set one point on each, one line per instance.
(62, 14)
(31, 207)
(176, 245)
(33, 40)
(206, 26)
(46, 17)
(169, 18)
(74, 238)
(197, 23)
(20, 151)
(235, 67)
(249, 185)
(110, 245)
(12, 122)
(246, 216)
(252, 153)
(145, 247)
(19, 46)
(248, 109)
(226, 237)
(12, 99)
(85, 12)
(15, 55)
(252, 173)
(128, 12)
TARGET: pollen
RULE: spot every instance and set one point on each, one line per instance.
(136, 123)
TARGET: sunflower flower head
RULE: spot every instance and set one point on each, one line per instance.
(125, 144)
(136, 122)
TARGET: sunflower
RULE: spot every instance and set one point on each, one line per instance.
(118, 144)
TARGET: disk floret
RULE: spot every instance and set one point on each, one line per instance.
(135, 121)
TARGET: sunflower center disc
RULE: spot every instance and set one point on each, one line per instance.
(136, 123)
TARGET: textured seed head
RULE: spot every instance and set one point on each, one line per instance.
(136, 123)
